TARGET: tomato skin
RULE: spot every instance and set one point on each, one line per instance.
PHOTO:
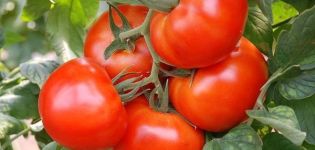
(152, 130)
(80, 107)
(199, 33)
(220, 94)
(100, 37)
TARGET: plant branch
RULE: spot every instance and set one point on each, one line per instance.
(5, 145)
(263, 91)
(144, 30)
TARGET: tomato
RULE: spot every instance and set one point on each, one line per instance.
(199, 33)
(80, 107)
(219, 95)
(152, 130)
(100, 37)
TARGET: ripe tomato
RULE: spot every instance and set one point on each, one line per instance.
(80, 107)
(100, 37)
(220, 94)
(152, 130)
(198, 33)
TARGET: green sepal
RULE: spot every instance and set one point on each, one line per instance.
(118, 43)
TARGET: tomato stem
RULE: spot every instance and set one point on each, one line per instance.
(144, 30)
(26, 130)
(160, 5)
(130, 33)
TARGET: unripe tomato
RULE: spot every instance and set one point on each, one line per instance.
(80, 107)
(100, 37)
(199, 33)
(219, 95)
(152, 130)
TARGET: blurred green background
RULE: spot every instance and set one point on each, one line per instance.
(26, 37)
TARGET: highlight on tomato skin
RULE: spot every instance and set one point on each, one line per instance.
(199, 33)
(219, 95)
(100, 37)
(80, 107)
(151, 130)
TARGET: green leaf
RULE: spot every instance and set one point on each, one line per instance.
(38, 71)
(82, 12)
(258, 30)
(276, 141)
(20, 101)
(305, 114)
(21, 46)
(283, 119)
(35, 9)
(308, 146)
(3, 72)
(298, 87)
(282, 11)
(1, 38)
(301, 5)
(68, 19)
(283, 27)
(13, 38)
(3, 68)
(304, 110)
(265, 7)
(242, 137)
(9, 125)
(296, 46)
(53, 146)
(12, 79)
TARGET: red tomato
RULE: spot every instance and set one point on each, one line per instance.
(100, 37)
(80, 107)
(199, 33)
(219, 95)
(152, 130)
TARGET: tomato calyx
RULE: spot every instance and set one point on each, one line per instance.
(130, 89)
(118, 43)
(158, 99)
(133, 85)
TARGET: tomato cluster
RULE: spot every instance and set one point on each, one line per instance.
(81, 109)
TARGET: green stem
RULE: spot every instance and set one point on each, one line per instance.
(144, 30)
(160, 5)
(14, 72)
(144, 27)
(154, 55)
(265, 87)
(131, 33)
(5, 145)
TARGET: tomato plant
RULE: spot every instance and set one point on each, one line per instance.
(198, 33)
(88, 66)
(219, 95)
(100, 37)
(149, 129)
(84, 111)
